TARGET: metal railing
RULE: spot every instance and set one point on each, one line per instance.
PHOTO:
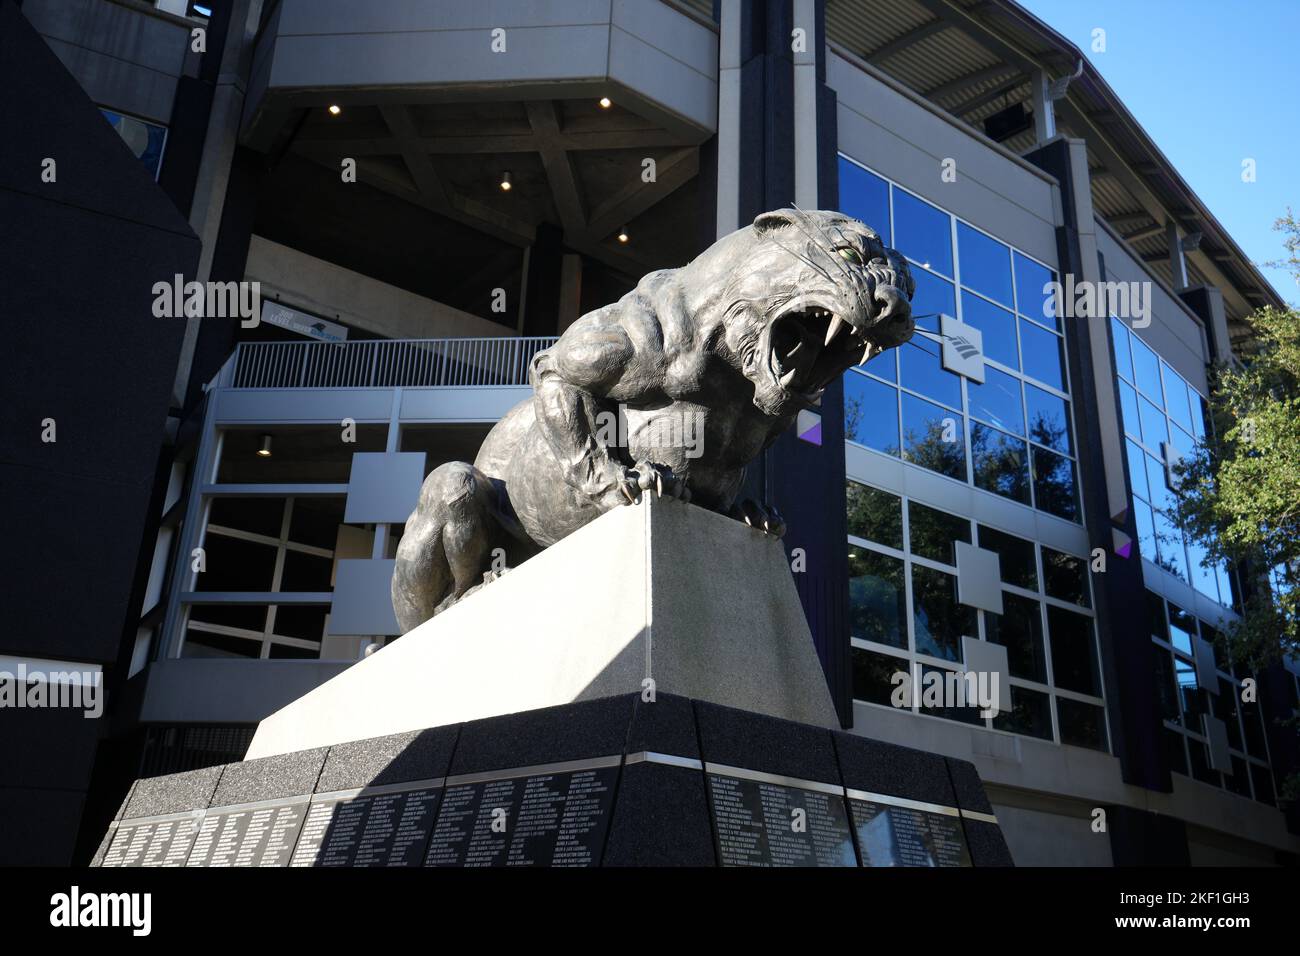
(384, 363)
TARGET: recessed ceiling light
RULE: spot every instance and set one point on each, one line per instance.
(605, 102)
(505, 181)
(265, 450)
(622, 234)
(335, 109)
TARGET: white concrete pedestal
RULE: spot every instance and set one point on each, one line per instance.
(701, 603)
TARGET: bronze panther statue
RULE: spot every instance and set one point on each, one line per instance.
(696, 371)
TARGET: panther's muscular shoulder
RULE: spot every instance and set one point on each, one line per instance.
(623, 351)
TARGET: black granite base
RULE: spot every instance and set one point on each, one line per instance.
(611, 782)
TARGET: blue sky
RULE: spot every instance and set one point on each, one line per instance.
(1212, 83)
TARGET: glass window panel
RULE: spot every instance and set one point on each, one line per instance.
(200, 643)
(865, 196)
(1166, 685)
(1170, 542)
(1128, 400)
(1065, 577)
(934, 437)
(1156, 616)
(1030, 714)
(305, 572)
(232, 564)
(306, 621)
(248, 617)
(1239, 780)
(1155, 425)
(1226, 595)
(922, 232)
(1175, 751)
(884, 365)
(1176, 402)
(966, 715)
(874, 514)
(997, 401)
(1015, 557)
(1054, 490)
(1193, 698)
(1001, 462)
(1181, 441)
(1082, 725)
(921, 369)
(1146, 370)
(1019, 628)
(985, 264)
(1252, 724)
(1031, 300)
(1146, 529)
(877, 599)
(873, 675)
(145, 140)
(264, 516)
(1049, 419)
(1198, 415)
(1137, 470)
(1159, 494)
(1182, 630)
(1042, 354)
(1123, 360)
(1199, 758)
(316, 521)
(1262, 778)
(1224, 704)
(933, 297)
(997, 325)
(934, 534)
(1203, 578)
(870, 413)
(938, 619)
(1074, 652)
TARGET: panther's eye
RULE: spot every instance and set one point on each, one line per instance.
(850, 254)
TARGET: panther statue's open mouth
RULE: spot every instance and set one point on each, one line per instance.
(808, 347)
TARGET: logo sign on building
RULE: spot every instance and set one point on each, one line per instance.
(963, 348)
(808, 426)
(302, 323)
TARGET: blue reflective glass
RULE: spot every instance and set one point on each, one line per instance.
(1123, 360)
(1203, 578)
(934, 437)
(1146, 369)
(865, 196)
(1031, 300)
(870, 413)
(922, 232)
(921, 370)
(997, 401)
(1170, 543)
(145, 140)
(1198, 414)
(985, 264)
(1000, 462)
(997, 325)
(933, 296)
(1225, 585)
(884, 365)
(1146, 529)
(1155, 427)
(1137, 470)
(1054, 487)
(1128, 399)
(1182, 441)
(1176, 398)
(1042, 353)
(1049, 419)
(1160, 495)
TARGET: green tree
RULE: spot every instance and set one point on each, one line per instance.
(1239, 489)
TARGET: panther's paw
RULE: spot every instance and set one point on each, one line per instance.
(766, 519)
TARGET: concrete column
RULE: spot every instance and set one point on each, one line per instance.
(805, 105)
(729, 64)
(214, 169)
(570, 307)
(1044, 112)
(1177, 262)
